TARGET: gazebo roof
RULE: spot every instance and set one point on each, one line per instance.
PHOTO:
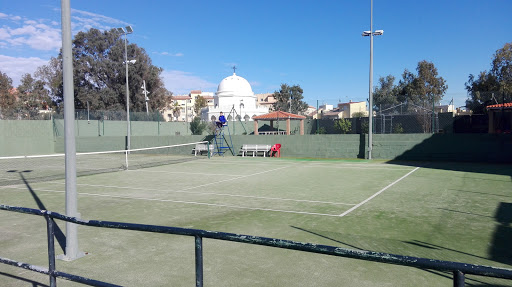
(279, 115)
(500, 106)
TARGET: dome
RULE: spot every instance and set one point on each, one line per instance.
(234, 86)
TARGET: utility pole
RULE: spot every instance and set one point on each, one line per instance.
(145, 95)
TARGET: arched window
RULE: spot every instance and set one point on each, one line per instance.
(230, 118)
(238, 117)
(213, 118)
(247, 118)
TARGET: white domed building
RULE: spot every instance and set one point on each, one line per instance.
(235, 98)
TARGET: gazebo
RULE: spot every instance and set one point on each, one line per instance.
(276, 116)
(500, 118)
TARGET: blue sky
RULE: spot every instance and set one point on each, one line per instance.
(316, 44)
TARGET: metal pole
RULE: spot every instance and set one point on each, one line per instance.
(128, 132)
(458, 279)
(317, 119)
(51, 249)
(69, 132)
(370, 118)
(145, 96)
(433, 113)
(199, 261)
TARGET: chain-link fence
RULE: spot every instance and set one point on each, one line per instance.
(80, 114)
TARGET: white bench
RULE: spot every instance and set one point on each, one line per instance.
(200, 148)
(255, 149)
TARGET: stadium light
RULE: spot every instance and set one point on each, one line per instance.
(370, 100)
(128, 30)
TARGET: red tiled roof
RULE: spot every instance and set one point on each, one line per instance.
(181, 97)
(195, 92)
(499, 106)
(279, 115)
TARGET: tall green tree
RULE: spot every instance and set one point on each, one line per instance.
(386, 94)
(99, 73)
(51, 77)
(424, 89)
(32, 97)
(283, 97)
(199, 104)
(7, 97)
(491, 86)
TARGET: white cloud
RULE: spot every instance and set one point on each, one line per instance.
(44, 34)
(180, 82)
(4, 34)
(33, 33)
(83, 20)
(97, 18)
(15, 67)
(169, 54)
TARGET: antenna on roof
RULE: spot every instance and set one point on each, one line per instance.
(493, 97)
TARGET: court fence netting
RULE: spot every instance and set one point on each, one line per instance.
(36, 168)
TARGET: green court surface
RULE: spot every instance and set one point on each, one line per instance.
(449, 211)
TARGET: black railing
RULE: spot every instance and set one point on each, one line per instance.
(459, 270)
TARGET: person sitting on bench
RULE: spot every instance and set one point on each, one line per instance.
(221, 121)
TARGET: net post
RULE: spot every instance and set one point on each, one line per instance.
(208, 147)
(126, 159)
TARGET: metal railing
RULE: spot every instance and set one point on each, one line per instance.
(459, 270)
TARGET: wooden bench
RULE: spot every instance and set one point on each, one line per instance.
(255, 149)
(200, 148)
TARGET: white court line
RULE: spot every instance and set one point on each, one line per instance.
(216, 194)
(194, 202)
(359, 167)
(182, 172)
(231, 179)
(186, 190)
(212, 204)
(379, 192)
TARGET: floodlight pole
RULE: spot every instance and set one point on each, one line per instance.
(128, 132)
(128, 30)
(371, 33)
(71, 252)
(370, 117)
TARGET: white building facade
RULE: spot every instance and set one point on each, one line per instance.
(235, 98)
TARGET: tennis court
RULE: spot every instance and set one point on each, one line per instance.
(447, 211)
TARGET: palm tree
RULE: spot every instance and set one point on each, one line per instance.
(176, 110)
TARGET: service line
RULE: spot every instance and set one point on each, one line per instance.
(379, 192)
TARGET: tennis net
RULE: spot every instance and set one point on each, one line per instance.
(35, 168)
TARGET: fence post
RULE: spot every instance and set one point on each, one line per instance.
(458, 279)
(51, 248)
(199, 261)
